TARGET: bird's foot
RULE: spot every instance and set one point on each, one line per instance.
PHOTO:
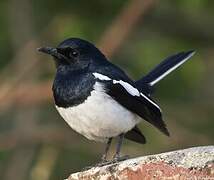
(116, 159)
(87, 168)
(103, 163)
(120, 158)
(100, 164)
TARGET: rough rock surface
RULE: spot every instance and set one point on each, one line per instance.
(193, 163)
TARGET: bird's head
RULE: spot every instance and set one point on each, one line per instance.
(75, 53)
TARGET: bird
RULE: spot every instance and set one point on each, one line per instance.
(99, 100)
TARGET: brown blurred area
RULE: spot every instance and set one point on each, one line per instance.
(35, 143)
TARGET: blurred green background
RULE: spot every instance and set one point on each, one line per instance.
(35, 143)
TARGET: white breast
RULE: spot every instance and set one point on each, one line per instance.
(99, 117)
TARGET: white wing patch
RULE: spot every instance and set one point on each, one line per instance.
(128, 87)
(101, 77)
(151, 101)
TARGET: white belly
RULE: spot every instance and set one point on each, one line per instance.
(99, 117)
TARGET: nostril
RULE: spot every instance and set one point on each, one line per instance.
(53, 50)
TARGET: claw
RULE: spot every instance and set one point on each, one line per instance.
(116, 159)
(120, 158)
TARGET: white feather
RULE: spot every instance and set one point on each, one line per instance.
(101, 77)
(171, 69)
(128, 87)
(99, 116)
(151, 101)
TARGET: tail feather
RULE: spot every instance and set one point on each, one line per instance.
(135, 135)
(146, 84)
(163, 69)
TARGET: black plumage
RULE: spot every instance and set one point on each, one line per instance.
(77, 61)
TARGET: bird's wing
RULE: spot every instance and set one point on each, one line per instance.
(132, 99)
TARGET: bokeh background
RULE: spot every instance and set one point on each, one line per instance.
(35, 143)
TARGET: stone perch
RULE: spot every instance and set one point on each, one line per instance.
(192, 164)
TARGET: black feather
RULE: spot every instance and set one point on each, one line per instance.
(135, 135)
(162, 68)
(138, 105)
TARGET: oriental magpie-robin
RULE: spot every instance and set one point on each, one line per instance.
(98, 100)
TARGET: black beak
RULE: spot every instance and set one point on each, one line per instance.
(53, 52)
(48, 50)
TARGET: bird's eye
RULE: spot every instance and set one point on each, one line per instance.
(73, 53)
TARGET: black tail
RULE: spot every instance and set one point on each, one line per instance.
(163, 69)
(136, 135)
(146, 83)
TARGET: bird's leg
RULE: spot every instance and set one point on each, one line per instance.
(117, 156)
(104, 156)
